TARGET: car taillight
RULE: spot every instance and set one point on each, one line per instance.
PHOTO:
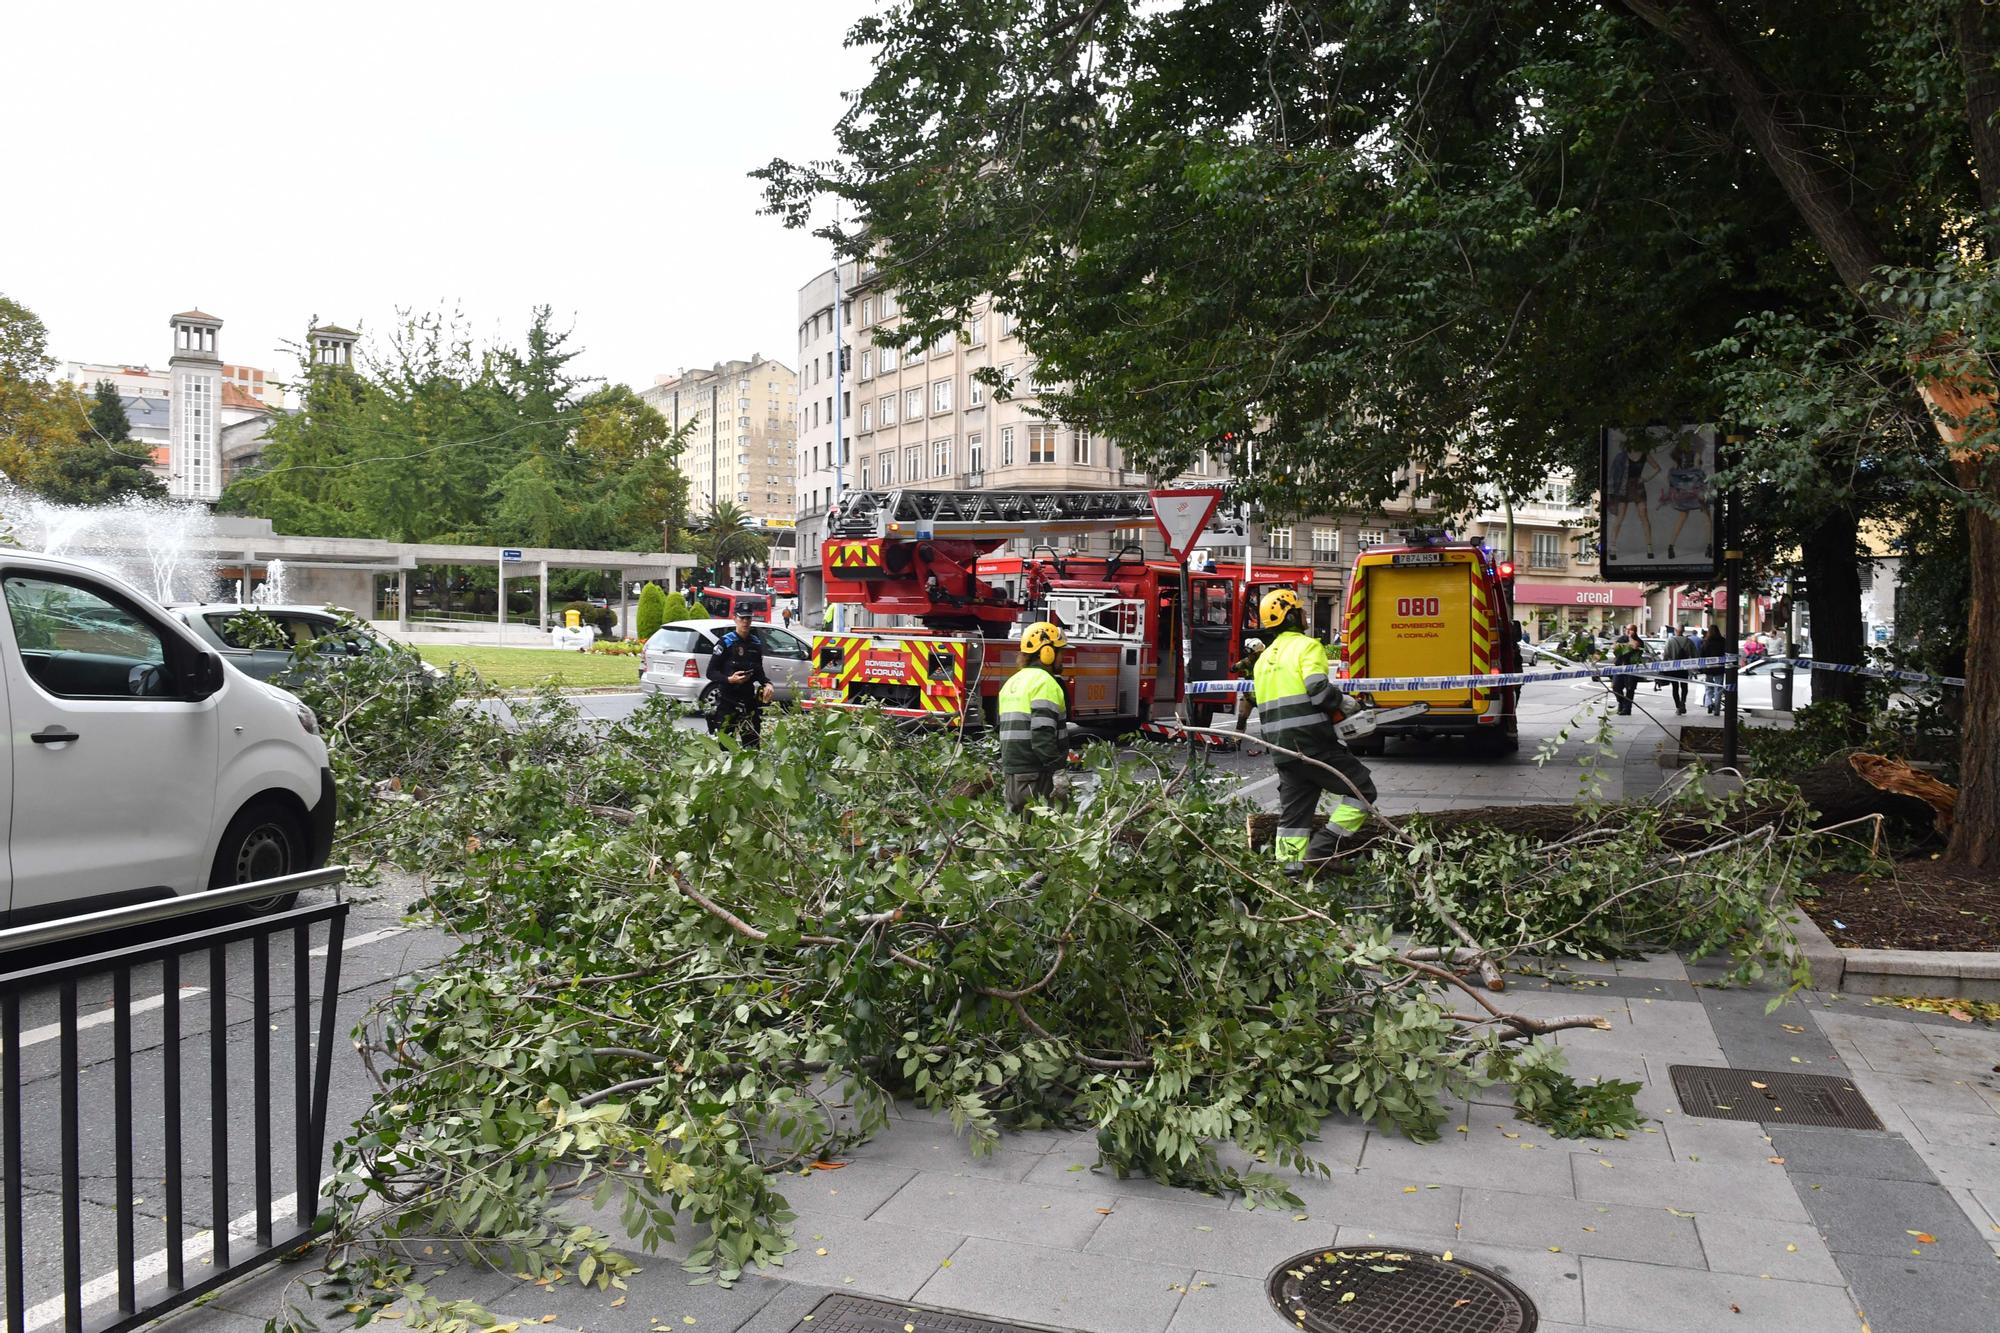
(688, 672)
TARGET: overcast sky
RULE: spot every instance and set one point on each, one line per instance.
(269, 162)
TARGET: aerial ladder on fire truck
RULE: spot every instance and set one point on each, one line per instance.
(930, 557)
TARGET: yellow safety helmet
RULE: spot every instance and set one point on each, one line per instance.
(1277, 604)
(1042, 641)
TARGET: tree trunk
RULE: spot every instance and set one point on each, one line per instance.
(1833, 584)
(1975, 834)
(1824, 204)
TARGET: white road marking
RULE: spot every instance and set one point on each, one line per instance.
(50, 1031)
(196, 1248)
(367, 937)
(1251, 789)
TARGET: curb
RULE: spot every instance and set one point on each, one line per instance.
(1939, 974)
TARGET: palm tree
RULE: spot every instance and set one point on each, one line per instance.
(725, 537)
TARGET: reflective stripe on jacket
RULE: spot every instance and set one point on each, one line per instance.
(1031, 717)
(1295, 693)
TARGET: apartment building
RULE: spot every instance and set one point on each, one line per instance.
(926, 419)
(743, 446)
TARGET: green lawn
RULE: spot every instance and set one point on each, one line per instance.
(526, 668)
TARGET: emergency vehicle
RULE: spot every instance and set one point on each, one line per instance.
(1435, 607)
(929, 556)
(723, 603)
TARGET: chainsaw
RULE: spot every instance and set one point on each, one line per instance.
(1361, 725)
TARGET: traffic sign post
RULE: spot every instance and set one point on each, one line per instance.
(1182, 515)
(508, 556)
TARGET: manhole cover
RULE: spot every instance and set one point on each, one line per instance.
(1396, 1291)
(1771, 1097)
(856, 1314)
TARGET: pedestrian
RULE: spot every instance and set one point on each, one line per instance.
(741, 688)
(1031, 710)
(1629, 651)
(1245, 668)
(1679, 649)
(826, 617)
(1713, 645)
(1298, 706)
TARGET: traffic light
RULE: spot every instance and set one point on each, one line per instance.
(1506, 571)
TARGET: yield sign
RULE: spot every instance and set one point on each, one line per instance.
(1183, 514)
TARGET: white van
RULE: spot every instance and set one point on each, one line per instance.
(140, 765)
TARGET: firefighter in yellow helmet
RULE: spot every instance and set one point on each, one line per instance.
(1031, 718)
(1297, 707)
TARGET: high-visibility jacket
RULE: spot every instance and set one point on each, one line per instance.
(1296, 697)
(1031, 718)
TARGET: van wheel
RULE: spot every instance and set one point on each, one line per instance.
(264, 841)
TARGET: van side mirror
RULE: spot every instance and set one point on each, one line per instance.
(204, 676)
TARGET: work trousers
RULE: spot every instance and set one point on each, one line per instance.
(1299, 788)
(745, 723)
(1623, 688)
(1021, 788)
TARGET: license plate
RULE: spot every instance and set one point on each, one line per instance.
(1417, 558)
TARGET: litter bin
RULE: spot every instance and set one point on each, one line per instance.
(573, 619)
(1781, 687)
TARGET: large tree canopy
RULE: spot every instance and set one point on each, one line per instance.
(1460, 234)
(435, 439)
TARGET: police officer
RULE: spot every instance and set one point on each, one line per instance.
(1031, 718)
(1297, 707)
(741, 687)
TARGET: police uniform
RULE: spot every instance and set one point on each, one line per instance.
(1297, 707)
(739, 709)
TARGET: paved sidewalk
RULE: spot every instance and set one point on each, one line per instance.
(1691, 1224)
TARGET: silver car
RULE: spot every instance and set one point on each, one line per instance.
(674, 661)
(312, 626)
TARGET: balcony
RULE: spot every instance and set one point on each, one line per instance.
(1552, 560)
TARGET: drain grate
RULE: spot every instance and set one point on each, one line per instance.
(855, 1314)
(1772, 1097)
(1396, 1291)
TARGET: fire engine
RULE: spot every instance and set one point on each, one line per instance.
(930, 556)
(1435, 607)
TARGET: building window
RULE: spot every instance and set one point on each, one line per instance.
(1279, 541)
(975, 453)
(888, 304)
(1006, 446)
(1545, 551)
(975, 391)
(1368, 537)
(868, 311)
(868, 365)
(888, 359)
(1009, 321)
(888, 406)
(1079, 448)
(913, 404)
(846, 405)
(868, 416)
(913, 462)
(940, 458)
(975, 332)
(864, 474)
(1326, 545)
(1041, 443)
(941, 395)
(887, 459)
(847, 312)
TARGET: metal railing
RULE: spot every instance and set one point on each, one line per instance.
(146, 1289)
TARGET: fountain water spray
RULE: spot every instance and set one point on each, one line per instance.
(151, 544)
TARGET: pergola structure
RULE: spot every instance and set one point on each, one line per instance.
(331, 569)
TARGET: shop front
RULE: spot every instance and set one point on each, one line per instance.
(1550, 610)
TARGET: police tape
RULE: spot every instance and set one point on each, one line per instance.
(1883, 673)
(1678, 671)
